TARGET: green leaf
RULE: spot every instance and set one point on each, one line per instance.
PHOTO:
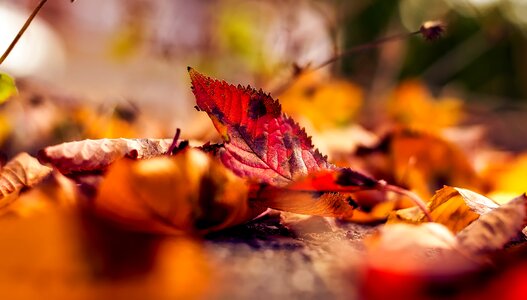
(7, 87)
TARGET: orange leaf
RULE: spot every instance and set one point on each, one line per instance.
(453, 207)
(186, 193)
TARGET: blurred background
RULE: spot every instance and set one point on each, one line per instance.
(417, 113)
(128, 59)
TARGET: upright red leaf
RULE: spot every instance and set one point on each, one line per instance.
(264, 144)
(260, 141)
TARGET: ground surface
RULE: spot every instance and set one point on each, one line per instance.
(300, 260)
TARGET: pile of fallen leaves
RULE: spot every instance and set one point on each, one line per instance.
(452, 239)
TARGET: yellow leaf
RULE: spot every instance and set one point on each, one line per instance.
(326, 103)
(506, 179)
(455, 208)
(7, 87)
(414, 107)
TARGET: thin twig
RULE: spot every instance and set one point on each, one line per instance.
(299, 70)
(360, 48)
(430, 30)
(22, 30)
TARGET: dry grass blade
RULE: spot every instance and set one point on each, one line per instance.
(20, 172)
(96, 155)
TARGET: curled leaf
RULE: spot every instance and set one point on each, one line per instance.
(96, 155)
(185, 193)
(20, 172)
(495, 228)
(453, 207)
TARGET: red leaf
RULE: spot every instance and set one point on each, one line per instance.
(264, 144)
(324, 193)
(260, 141)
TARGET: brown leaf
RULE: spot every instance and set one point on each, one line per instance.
(96, 155)
(185, 193)
(21, 172)
(495, 228)
(55, 191)
(453, 207)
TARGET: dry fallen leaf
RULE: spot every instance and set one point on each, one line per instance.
(22, 171)
(263, 144)
(55, 191)
(408, 260)
(494, 229)
(260, 141)
(453, 207)
(422, 162)
(189, 192)
(97, 155)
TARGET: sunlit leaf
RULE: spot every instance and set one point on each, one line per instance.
(186, 193)
(96, 155)
(260, 142)
(55, 191)
(455, 208)
(265, 145)
(494, 229)
(22, 171)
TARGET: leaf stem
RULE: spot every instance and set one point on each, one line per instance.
(413, 196)
(22, 30)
